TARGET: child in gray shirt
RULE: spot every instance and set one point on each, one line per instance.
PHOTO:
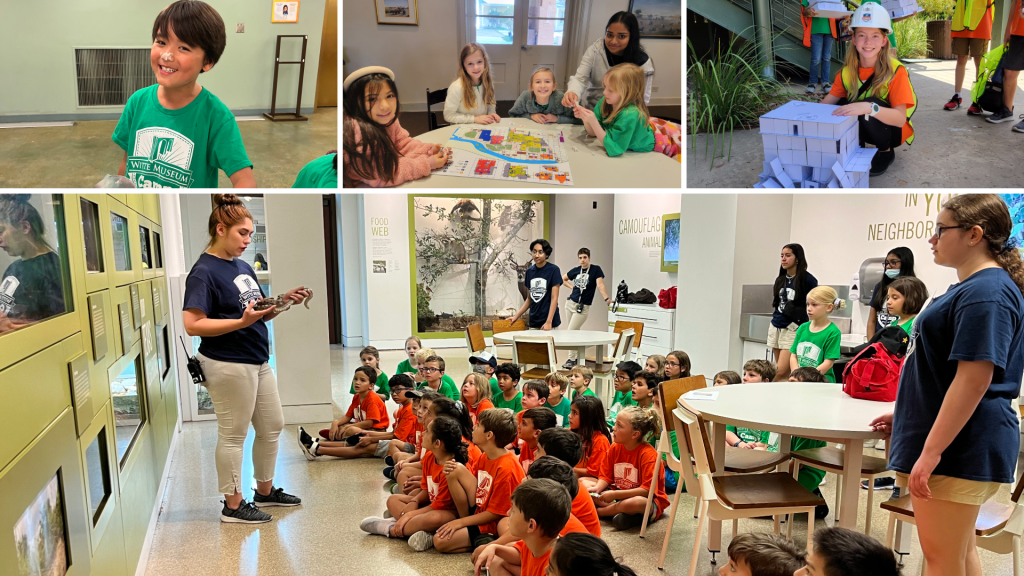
(542, 103)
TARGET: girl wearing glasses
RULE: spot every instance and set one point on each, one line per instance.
(899, 263)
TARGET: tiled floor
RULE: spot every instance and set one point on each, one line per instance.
(322, 537)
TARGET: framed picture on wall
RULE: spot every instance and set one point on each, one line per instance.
(285, 12)
(670, 243)
(658, 18)
(397, 12)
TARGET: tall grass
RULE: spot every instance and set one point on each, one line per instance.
(911, 37)
(936, 9)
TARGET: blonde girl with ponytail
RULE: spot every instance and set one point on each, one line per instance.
(817, 341)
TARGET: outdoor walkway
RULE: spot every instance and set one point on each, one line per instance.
(952, 149)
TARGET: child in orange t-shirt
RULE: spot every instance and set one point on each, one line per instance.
(497, 475)
(417, 516)
(531, 423)
(629, 469)
(587, 554)
(539, 514)
(586, 419)
(407, 469)
(565, 446)
(476, 392)
(372, 443)
(367, 411)
(884, 122)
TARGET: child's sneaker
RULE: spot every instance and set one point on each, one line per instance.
(389, 473)
(310, 451)
(277, 497)
(246, 513)
(1001, 116)
(388, 460)
(325, 433)
(810, 89)
(353, 439)
(421, 541)
(396, 489)
(1019, 127)
(953, 104)
(881, 162)
(623, 521)
(880, 445)
(304, 438)
(826, 87)
(975, 110)
(388, 514)
(379, 526)
(885, 483)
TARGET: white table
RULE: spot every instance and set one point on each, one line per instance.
(811, 410)
(578, 340)
(597, 170)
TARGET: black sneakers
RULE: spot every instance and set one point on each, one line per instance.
(388, 460)
(623, 521)
(881, 162)
(389, 473)
(1001, 116)
(885, 483)
(247, 513)
(277, 497)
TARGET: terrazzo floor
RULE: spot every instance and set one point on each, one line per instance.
(322, 537)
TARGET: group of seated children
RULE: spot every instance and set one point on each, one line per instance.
(832, 552)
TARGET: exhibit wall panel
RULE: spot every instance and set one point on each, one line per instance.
(584, 221)
(385, 228)
(637, 242)
(839, 231)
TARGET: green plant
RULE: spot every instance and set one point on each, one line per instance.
(911, 38)
(423, 302)
(936, 9)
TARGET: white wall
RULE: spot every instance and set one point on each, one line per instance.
(384, 222)
(426, 56)
(838, 232)
(353, 280)
(575, 224)
(637, 244)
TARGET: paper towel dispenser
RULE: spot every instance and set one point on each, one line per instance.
(872, 271)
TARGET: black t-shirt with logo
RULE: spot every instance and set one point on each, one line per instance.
(539, 282)
(32, 289)
(222, 289)
(584, 283)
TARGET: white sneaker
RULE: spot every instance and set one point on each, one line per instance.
(840, 446)
(880, 445)
(375, 525)
(387, 514)
(421, 541)
(869, 443)
(823, 481)
(310, 451)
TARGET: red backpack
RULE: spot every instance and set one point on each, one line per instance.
(874, 373)
(667, 298)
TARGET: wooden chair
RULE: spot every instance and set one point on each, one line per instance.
(732, 497)
(435, 97)
(669, 392)
(605, 373)
(475, 339)
(499, 326)
(998, 528)
(620, 325)
(535, 350)
(831, 460)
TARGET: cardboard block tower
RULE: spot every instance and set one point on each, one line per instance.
(805, 146)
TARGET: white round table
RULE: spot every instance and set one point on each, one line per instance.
(578, 340)
(590, 167)
(807, 409)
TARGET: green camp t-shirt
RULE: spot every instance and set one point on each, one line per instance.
(819, 25)
(628, 130)
(495, 389)
(515, 404)
(381, 384)
(813, 348)
(907, 325)
(619, 401)
(320, 173)
(405, 368)
(562, 411)
(447, 387)
(587, 392)
(181, 148)
(809, 477)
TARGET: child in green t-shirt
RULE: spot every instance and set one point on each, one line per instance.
(408, 366)
(369, 356)
(624, 374)
(906, 297)
(485, 363)
(620, 118)
(433, 370)
(320, 173)
(557, 385)
(817, 342)
(508, 380)
(580, 378)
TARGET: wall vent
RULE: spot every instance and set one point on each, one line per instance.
(109, 76)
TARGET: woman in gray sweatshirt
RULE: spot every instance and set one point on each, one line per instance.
(621, 43)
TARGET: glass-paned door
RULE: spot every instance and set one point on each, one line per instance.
(519, 36)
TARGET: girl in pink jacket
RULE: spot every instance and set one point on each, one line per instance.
(377, 150)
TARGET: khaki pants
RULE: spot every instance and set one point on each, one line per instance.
(574, 321)
(243, 393)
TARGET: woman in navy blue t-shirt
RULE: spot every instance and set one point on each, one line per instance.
(954, 431)
(543, 280)
(789, 306)
(220, 292)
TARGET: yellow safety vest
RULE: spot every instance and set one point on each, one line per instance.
(967, 14)
(852, 83)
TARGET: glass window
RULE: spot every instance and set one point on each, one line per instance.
(158, 251)
(122, 253)
(494, 30)
(97, 474)
(35, 281)
(127, 392)
(547, 8)
(92, 237)
(256, 253)
(163, 352)
(545, 32)
(40, 535)
(147, 254)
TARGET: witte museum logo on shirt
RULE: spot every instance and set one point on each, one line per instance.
(248, 290)
(162, 159)
(7, 289)
(538, 287)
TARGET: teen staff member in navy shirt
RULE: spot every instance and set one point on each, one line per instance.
(583, 280)
(219, 295)
(954, 431)
(790, 305)
(542, 282)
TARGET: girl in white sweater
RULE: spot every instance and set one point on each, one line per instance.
(471, 96)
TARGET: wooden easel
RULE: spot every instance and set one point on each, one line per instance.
(274, 115)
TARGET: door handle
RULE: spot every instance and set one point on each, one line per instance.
(523, 48)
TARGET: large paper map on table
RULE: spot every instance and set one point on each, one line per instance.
(509, 154)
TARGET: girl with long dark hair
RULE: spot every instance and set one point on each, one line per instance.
(789, 305)
(620, 45)
(899, 263)
(31, 287)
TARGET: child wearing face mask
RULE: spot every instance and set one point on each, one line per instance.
(377, 150)
(620, 119)
(542, 103)
(470, 97)
(875, 86)
(899, 262)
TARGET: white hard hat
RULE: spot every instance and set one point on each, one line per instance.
(871, 15)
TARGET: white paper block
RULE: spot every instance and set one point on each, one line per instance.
(769, 156)
(780, 126)
(833, 183)
(771, 142)
(800, 157)
(785, 142)
(780, 174)
(794, 172)
(771, 183)
(810, 184)
(767, 125)
(786, 156)
(766, 167)
(814, 159)
(799, 144)
(758, 185)
(811, 129)
(796, 128)
(828, 159)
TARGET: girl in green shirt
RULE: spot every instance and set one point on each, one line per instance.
(369, 356)
(817, 342)
(907, 296)
(620, 119)
(408, 366)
